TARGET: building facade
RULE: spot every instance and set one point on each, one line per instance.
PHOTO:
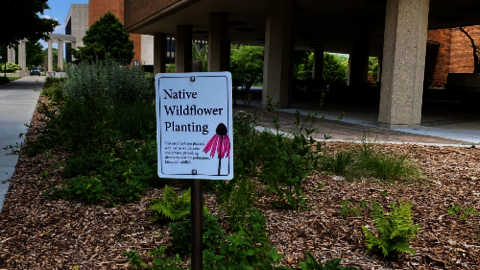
(76, 25)
(452, 53)
(394, 30)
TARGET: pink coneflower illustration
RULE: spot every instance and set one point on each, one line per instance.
(220, 142)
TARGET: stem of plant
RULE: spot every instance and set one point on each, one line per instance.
(220, 156)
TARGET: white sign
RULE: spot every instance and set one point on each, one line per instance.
(194, 125)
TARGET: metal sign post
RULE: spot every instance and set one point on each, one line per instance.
(194, 135)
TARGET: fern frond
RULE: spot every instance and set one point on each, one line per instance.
(171, 206)
(402, 248)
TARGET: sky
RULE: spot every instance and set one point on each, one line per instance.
(59, 11)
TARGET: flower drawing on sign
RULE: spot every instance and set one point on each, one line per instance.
(220, 143)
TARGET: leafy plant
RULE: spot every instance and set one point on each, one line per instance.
(247, 249)
(161, 262)
(464, 214)
(395, 229)
(134, 258)
(171, 206)
(354, 210)
(182, 236)
(312, 264)
(338, 163)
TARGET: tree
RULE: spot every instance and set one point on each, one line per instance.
(246, 63)
(31, 26)
(334, 68)
(373, 67)
(54, 58)
(106, 38)
(34, 53)
(476, 49)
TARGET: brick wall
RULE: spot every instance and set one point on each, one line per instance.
(97, 8)
(138, 10)
(455, 54)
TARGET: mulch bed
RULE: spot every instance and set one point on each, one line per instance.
(38, 233)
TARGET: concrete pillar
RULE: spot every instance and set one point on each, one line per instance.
(217, 40)
(278, 51)
(11, 55)
(73, 46)
(50, 56)
(159, 52)
(359, 61)
(183, 48)
(22, 55)
(60, 54)
(318, 64)
(379, 68)
(349, 67)
(228, 51)
(404, 53)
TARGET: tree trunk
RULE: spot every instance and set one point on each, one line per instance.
(476, 61)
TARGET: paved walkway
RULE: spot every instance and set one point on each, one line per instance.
(17, 105)
(343, 131)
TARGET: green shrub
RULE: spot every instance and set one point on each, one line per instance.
(311, 264)
(181, 233)
(338, 163)
(464, 214)
(395, 229)
(170, 68)
(122, 173)
(161, 262)
(288, 161)
(171, 206)
(349, 209)
(11, 67)
(136, 121)
(135, 259)
(366, 161)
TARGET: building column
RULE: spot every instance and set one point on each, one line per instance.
(403, 68)
(50, 56)
(183, 48)
(318, 64)
(379, 68)
(278, 51)
(60, 54)
(11, 55)
(359, 61)
(22, 55)
(217, 40)
(159, 53)
(228, 52)
(73, 45)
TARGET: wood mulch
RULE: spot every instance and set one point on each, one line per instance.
(38, 233)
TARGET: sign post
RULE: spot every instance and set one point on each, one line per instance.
(194, 136)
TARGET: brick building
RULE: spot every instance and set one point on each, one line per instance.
(449, 51)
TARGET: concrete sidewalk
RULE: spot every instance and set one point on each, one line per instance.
(18, 100)
(348, 132)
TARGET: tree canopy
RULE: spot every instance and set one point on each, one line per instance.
(21, 19)
(334, 66)
(106, 38)
(34, 53)
(246, 63)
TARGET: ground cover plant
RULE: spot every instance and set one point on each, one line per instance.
(98, 204)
